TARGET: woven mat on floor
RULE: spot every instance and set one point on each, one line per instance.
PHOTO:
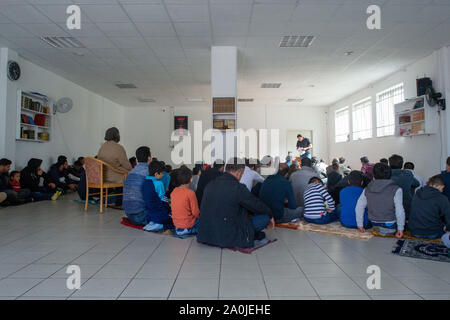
(406, 235)
(332, 229)
(422, 250)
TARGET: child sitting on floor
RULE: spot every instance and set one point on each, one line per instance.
(384, 200)
(429, 208)
(157, 208)
(185, 209)
(14, 180)
(319, 205)
(349, 197)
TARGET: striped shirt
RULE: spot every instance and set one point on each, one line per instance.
(315, 196)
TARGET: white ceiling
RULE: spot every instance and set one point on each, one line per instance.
(163, 46)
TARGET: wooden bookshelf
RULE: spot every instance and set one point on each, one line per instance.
(34, 117)
(415, 117)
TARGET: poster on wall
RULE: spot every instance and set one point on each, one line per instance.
(181, 125)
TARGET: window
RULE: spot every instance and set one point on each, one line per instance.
(362, 119)
(341, 124)
(385, 109)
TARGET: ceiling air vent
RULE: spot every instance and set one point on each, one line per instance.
(63, 42)
(270, 85)
(296, 41)
(147, 100)
(294, 100)
(246, 100)
(126, 86)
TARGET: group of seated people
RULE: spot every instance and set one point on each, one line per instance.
(34, 184)
(229, 205)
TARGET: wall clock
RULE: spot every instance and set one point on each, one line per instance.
(13, 70)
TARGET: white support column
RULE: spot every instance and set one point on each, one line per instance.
(443, 86)
(8, 106)
(224, 84)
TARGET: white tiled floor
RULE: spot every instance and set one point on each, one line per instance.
(38, 241)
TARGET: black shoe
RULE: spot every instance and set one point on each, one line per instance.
(259, 235)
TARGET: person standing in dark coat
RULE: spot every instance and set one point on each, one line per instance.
(224, 214)
(206, 177)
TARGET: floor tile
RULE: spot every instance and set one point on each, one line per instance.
(426, 285)
(158, 271)
(199, 271)
(195, 288)
(345, 298)
(50, 288)
(240, 271)
(322, 270)
(398, 297)
(36, 271)
(281, 271)
(114, 271)
(16, 287)
(335, 286)
(148, 288)
(289, 287)
(102, 288)
(242, 288)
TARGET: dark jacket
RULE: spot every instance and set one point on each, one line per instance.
(205, 178)
(56, 175)
(4, 182)
(446, 177)
(428, 210)
(224, 219)
(405, 180)
(29, 178)
(156, 210)
(274, 191)
(334, 177)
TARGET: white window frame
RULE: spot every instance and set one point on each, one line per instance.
(363, 131)
(385, 112)
(341, 136)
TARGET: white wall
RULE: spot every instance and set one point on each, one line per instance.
(426, 152)
(151, 126)
(288, 118)
(76, 133)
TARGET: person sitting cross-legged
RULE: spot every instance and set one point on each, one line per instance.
(349, 197)
(184, 205)
(133, 199)
(319, 205)
(383, 199)
(275, 190)
(224, 212)
(157, 209)
(429, 210)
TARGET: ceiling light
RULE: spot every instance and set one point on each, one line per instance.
(296, 41)
(349, 53)
(294, 100)
(270, 85)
